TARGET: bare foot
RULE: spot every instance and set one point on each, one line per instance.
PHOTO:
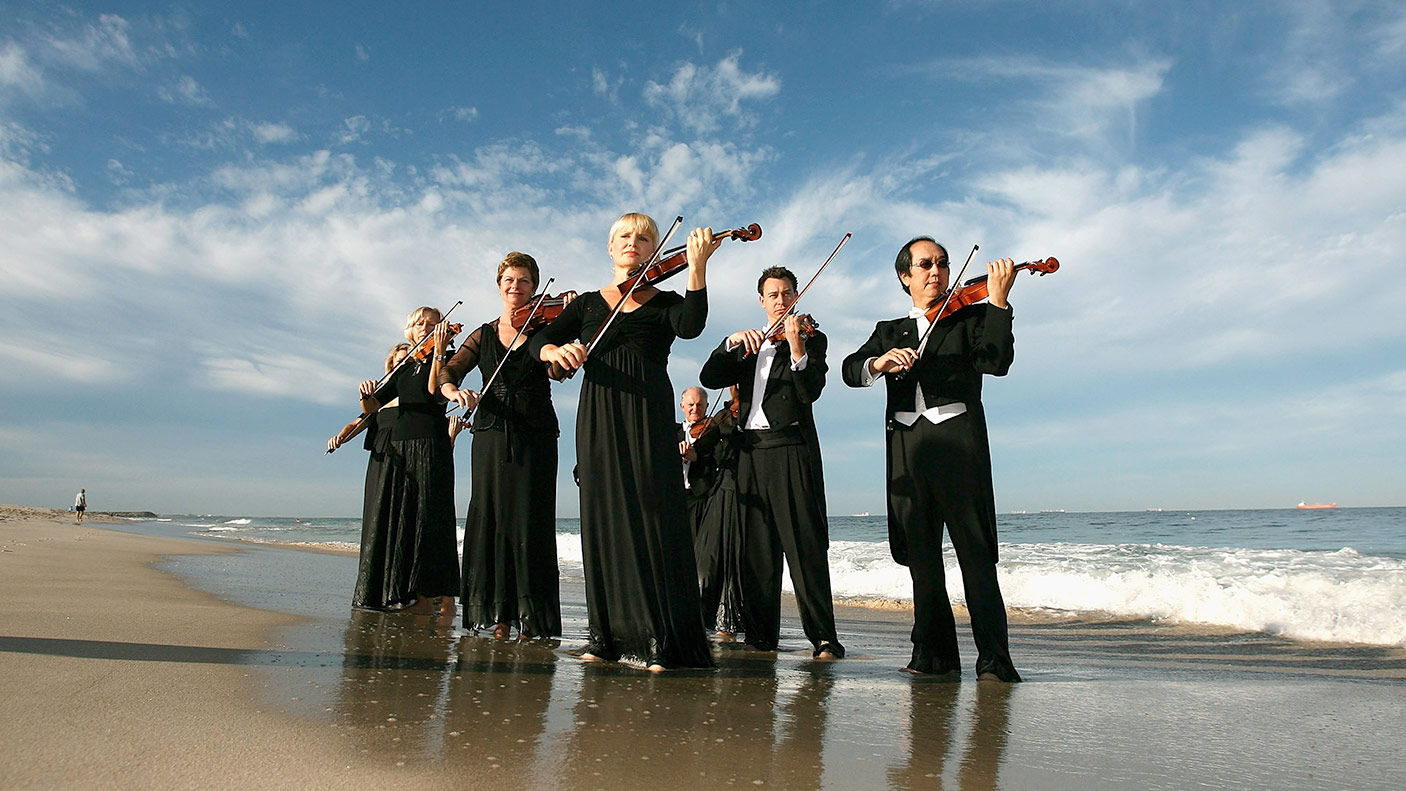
(591, 658)
(656, 668)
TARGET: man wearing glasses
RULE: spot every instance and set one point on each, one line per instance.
(939, 458)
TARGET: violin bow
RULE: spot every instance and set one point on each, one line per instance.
(464, 418)
(356, 424)
(792, 307)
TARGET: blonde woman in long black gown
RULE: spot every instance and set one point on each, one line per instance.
(510, 539)
(416, 484)
(641, 581)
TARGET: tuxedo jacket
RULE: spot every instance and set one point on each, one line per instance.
(975, 340)
(703, 472)
(789, 394)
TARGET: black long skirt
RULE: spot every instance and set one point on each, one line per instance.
(409, 550)
(510, 539)
(636, 543)
(717, 545)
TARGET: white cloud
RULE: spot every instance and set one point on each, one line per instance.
(462, 114)
(274, 133)
(695, 96)
(1096, 105)
(17, 73)
(96, 46)
(186, 91)
(118, 173)
(602, 85)
(36, 355)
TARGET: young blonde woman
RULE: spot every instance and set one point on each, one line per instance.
(414, 508)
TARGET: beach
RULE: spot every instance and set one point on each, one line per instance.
(135, 661)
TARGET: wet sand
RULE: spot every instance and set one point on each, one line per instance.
(224, 665)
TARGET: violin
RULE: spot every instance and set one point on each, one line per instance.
(673, 261)
(975, 290)
(697, 430)
(548, 308)
(808, 328)
(425, 351)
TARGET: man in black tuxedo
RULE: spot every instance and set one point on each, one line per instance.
(699, 466)
(780, 482)
(939, 457)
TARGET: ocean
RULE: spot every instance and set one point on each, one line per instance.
(1330, 575)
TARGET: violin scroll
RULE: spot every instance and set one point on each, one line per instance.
(751, 233)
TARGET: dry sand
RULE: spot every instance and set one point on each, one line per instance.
(119, 675)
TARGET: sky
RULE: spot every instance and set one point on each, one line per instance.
(214, 218)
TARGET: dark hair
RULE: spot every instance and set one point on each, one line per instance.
(904, 262)
(779, 273)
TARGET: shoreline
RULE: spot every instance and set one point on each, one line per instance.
(135, 663)
(1016, 615)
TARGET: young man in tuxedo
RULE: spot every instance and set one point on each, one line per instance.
(780, 482)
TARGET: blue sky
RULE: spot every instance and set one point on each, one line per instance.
(214, 218)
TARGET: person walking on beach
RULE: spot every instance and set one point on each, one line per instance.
(939, 457)
(780, 482)
(708, 447)
(80, 504)
(510, 535)
(636, 546)
(415, 502)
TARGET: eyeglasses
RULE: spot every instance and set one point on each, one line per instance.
(925, 264)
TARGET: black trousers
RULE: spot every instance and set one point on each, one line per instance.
(783, 516)
(941, 475)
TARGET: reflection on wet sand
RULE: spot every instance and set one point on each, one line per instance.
(933, 719)
(413, 686)
(746, 724)
(393, 680)
(499, 695)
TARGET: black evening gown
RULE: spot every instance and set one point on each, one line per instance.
(636, 544)
(717, 540)
(414, 517)
(510, 538)
(371, 566)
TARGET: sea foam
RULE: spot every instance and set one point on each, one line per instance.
(1334, 596)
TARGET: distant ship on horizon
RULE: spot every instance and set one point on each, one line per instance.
(1314, 506)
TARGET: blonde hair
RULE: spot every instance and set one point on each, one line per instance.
(636, 222)
(416, 315)
(396, 351)
(516, 260)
